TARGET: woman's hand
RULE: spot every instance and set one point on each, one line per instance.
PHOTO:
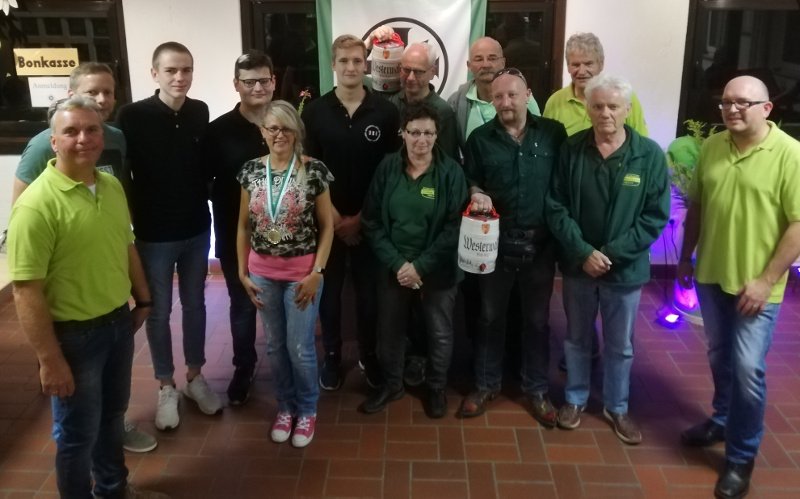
(252, 291)
(305, 292)
(481, 203)
(407, 276)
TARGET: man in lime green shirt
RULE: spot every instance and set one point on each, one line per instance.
(74, 267)
(585, 58)
(744, 219)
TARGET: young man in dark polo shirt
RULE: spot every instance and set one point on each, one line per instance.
(231, 140)
(169, 204)
(350, 130)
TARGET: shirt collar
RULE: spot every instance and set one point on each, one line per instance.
(61, 181)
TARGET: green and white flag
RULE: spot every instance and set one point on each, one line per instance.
(450, 25)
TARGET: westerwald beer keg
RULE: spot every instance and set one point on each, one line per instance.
(478, 241)
(386, 64)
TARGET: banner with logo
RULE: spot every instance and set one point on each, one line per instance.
(450, 25)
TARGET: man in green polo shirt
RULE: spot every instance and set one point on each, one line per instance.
(74, 267)
(585, 58)
(744, 219)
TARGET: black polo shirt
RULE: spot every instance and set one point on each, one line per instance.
(351, 147)
(169, 195)
(230, 141)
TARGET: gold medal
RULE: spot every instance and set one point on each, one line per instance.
(273, 236)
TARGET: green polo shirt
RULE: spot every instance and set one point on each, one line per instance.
(481, 112)
(748, 200)
(73, 240)
(411, 206)
(563, 106)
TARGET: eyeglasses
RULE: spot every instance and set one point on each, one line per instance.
(512, 72)
(273, 131)
(265, 82)
(417, 72)
(417, 133)
(741, 105)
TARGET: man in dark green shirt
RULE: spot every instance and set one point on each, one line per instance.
(609, 201)
(508, 165)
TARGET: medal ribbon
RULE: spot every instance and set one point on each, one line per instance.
(274, 207)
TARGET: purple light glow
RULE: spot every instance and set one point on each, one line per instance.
(685, 299)
(672, 318)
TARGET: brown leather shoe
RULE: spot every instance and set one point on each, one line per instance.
(624, 427)
(475, 403)
(543, 410)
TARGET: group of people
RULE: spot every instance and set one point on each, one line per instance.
(374, 186)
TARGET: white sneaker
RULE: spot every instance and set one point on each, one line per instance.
(136, 440)
(167, 413)
(198, 390)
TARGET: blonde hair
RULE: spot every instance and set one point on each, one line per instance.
(287, 115)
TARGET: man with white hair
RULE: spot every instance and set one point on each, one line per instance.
(744, 219)
(608, 202)
(585, 59)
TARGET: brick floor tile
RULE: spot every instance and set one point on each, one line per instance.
(776, 478)
(451, 444)
(652, 481)
(311, 482)
(273, 467)
(489, 436)
(429, 489)
(567, 481)
(395, 433)
(353, 487)
(689, 476)
(591, 473)
(373, 442)
(611, 449)
(481, 481)
(397, 480)
(23, 480)
(573, 454)
(424, 470)
(278, 486)
(491, 452)
(645, 456)
(412, 451)
(531, 446)
(599, 491)
(579, 436)
(356, 468)
(518, 472)
(28, 462)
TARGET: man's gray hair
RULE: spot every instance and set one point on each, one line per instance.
(430, 50)
(74, 102)
(604, 80)
(587, 43)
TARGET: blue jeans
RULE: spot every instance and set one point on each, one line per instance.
(737, 351)
(618, 307)
(88, 425)
(535, 290)
(159, 260)
(394, 306)
(242, 316)
(290, 345)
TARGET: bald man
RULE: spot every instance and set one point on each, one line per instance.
(744, 219)
(472, 102)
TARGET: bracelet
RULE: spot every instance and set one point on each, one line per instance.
(144, 304)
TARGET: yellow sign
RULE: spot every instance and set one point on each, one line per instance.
(427, 192)
(631, 179)
(45, 62)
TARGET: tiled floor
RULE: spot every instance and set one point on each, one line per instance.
(400, 453)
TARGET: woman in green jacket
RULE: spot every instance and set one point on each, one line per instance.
(411, 218)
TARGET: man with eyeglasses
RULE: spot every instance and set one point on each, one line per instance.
(509, 161)
(172, 223)
(744, 220)
(472, 102)
(349, 129)
(96, 81)
(230, 141)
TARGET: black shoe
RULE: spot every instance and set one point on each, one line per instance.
(414, 373)
(239, 389)
(329, 376)
(437, 403)
(372, 370)
(703, 435)
(735, 480)
(380, 399)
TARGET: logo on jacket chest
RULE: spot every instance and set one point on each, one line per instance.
(372, 133)
(631, 179)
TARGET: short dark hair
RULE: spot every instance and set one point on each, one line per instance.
(170, 47)
(253, 59)
(85, 69)
(419, 110)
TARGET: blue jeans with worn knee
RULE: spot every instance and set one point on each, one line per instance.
(160, 261)
(618, 306)
(737, 351)
(88, 426)
(290, 345)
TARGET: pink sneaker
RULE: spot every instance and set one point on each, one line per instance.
(304, 431)
(282, 427)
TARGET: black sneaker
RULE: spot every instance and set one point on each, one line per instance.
(329, 376)
(239, 389)
(437, 403)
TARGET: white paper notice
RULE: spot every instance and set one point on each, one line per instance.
(47, 89)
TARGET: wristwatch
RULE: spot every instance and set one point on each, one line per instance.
(144, 304)
(318, 270)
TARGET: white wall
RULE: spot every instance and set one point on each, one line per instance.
(644, 41)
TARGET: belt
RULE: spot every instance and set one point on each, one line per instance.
(67, 326)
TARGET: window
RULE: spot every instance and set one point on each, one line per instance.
(93, 27)
(729, 38)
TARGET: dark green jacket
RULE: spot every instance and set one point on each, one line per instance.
(437, 265)
(516, 176)
(638, 209)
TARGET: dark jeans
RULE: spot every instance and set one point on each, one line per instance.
(362, 272)
(394, 302)
(88, 425)
(535, 289)
(242, 316)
